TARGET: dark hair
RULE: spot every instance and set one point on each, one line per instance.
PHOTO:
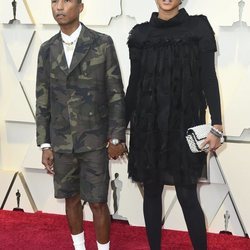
(79, 1)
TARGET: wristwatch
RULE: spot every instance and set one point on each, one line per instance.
(114, 141)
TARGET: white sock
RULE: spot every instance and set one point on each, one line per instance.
(103, 246)
(78, 241)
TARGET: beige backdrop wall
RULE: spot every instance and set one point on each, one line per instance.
(227, 186)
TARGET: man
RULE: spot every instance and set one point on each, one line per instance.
(80, 117)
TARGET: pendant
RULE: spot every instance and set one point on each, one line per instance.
(69, 47)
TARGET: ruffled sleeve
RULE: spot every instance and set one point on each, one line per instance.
(206, 35)
(134, 42)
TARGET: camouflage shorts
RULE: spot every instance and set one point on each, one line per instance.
(86, 174)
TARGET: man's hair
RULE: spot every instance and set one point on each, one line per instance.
(79, 1)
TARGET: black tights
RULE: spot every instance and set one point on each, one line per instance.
(193, 214)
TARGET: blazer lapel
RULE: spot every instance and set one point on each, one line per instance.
(58, 55)
(83, 45)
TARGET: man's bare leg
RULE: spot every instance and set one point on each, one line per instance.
(74, 215)
(102, 221)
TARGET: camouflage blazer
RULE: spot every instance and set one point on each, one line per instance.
(79, 108)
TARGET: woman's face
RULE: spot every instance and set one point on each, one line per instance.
(168, 5)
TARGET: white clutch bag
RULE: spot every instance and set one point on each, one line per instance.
(196, 135)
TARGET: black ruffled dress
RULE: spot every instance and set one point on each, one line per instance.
(172, 80)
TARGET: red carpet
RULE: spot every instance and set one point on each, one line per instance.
(39, 231)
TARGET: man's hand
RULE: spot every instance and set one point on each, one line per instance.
(116, 151)
(47, 160)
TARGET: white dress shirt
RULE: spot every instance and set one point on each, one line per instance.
(69, 43)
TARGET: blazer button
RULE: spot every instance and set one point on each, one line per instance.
(90, 113)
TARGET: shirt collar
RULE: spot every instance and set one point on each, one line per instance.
(73, 37)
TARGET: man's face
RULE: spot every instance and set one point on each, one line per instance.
(168, 5)
(66, 11)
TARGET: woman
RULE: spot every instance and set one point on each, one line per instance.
(172, 81)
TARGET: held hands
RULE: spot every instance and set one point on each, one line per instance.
(213, 141)
(116, 151)
(47, 160)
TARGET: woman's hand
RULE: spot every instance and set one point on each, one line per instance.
(213, 141)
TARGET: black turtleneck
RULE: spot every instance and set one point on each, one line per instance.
(181, 17)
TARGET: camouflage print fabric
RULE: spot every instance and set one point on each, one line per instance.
(86, 174)
(80, 107)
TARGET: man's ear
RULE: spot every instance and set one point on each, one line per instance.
(81, 7)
